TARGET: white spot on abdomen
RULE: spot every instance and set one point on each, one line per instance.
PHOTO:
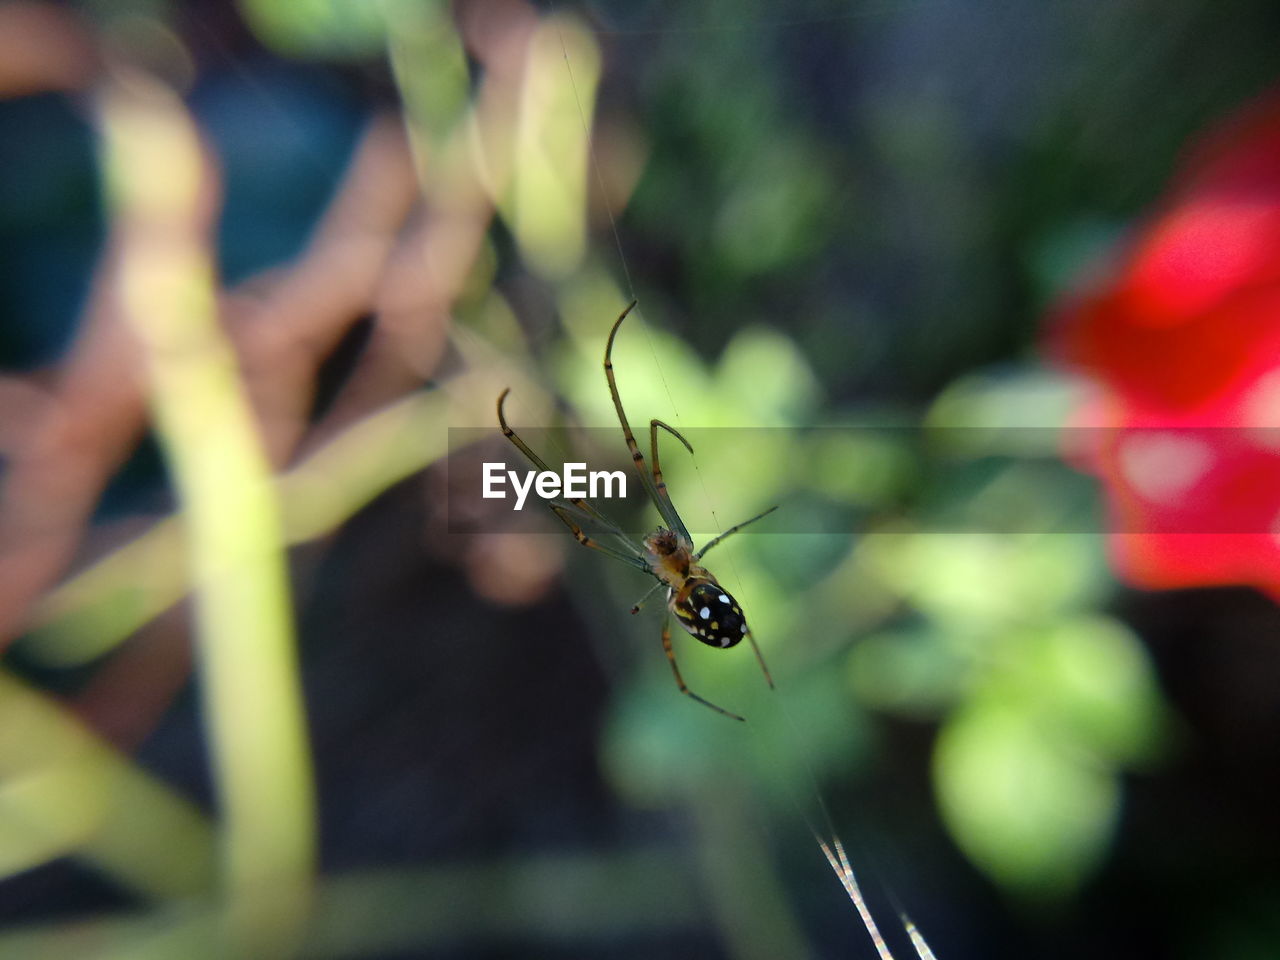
(705, 613)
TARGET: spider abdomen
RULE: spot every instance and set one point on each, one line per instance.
(708, 612)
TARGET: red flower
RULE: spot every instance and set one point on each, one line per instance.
(1184, 339)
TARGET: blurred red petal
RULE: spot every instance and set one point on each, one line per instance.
(1185, 338)
(1175, 367)
(1198, 256)
(1179, 560)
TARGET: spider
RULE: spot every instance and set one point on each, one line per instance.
(706, 610)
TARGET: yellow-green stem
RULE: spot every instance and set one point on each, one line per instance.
(158, 182)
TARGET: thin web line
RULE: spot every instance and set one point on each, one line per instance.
(595, 168)
(835, 855)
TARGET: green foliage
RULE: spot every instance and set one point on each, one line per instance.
(1044, 703)
(1028, 767)
(430, 66)
(1032, 815)
(318, 28)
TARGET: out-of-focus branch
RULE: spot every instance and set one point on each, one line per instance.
(103, 605)
(78, 436)
(463, 160)
(285, 324)
(160, 189)
(78, 433)
(231, 380)
(284, 332)
(66, 792)
(284, 336)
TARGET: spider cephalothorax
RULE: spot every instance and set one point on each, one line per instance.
(669, 556)
(703, 607)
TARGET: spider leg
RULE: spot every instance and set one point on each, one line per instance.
(582, 517)
(586, 541)
(648, 593)
(732, 530)
(671, 658)
(582, 506)
(664, 504)
(768, 677)
(632, 556)
(659, 484)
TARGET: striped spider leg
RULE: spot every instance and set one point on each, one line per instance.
(706, 610)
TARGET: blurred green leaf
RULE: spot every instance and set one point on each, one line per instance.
(318, 28)
(546, 206)
(979, 581)
(1098, 685)
(797, 561)
(430, 67)
(1012, 412)
(767, 377)
(860, 467)
(908, 672)
(1032, 813)
(773, 214)
(1027, 770)
(1009, 497)
(659, 745)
